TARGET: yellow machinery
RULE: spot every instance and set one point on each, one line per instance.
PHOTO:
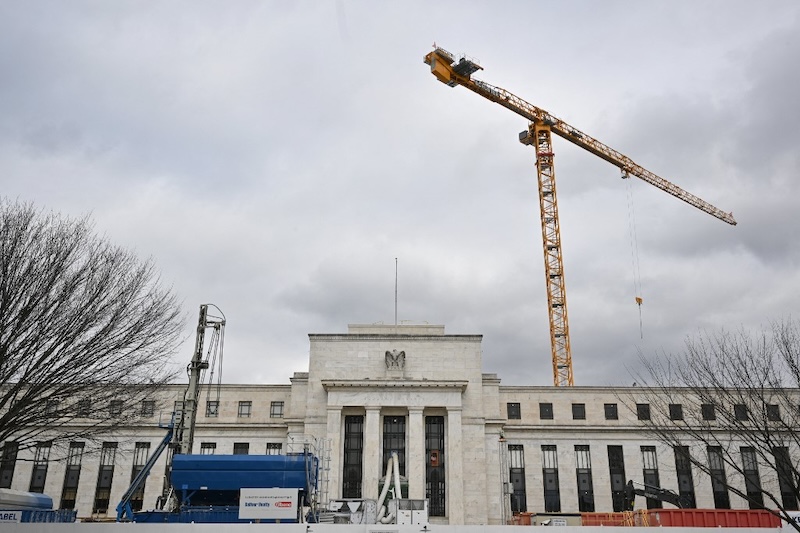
(452, 71)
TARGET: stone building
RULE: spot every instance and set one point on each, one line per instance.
(477, 450)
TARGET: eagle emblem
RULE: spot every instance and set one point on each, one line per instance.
(395, 360)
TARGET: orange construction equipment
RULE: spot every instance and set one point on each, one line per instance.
(458, 71)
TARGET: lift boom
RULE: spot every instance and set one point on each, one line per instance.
(180, 429)
(453, 72)
(652, 493)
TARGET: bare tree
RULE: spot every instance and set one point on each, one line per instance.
(730, 405)
(86, 330)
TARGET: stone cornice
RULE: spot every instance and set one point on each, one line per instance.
(349, 337)
(378, 384)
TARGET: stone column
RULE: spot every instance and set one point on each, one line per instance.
(415, 458)
(373, 458)
(455, 467)
(334, 431)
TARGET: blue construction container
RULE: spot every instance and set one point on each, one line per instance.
(208, 486)
(233, 472)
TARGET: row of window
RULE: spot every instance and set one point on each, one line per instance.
(72, 472)
(244, 410)
(514, 411)
(650, 475)
(105, 476)
(85, 407)
(240, 448)
(394, 432)
(707, 411)
(394, 442)
(147, 409)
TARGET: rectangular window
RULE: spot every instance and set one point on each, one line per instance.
(740, 411)
(276, 410)
(353, 456)
(516, 471)
(83, 407)
(650, 472)
(105, 476)
(435, 478)
(8, 462)
(245, 409)
(212, 408)
(115, 408)
(72, 476)
(141, 453)
(773, 413)
(208, 448)
(675, 411)
(40, 462)
(513, 410)
(752, 480)
(643, 411)
(649, 459)
(719, 485)
(708, 411)
(552, 497)
(611, 411)
(274, 448)
(583, 471)
(786, 479)
(394, 440)
(579, 411)
(616, 469)
(148, 408)
(683, 468)
(241, 448)
(546, 411)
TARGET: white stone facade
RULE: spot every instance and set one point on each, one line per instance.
(440, 375)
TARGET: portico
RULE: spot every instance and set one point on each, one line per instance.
(409, 389)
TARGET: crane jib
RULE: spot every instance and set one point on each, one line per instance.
(578, 138)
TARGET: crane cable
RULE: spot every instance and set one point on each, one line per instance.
(637, 278)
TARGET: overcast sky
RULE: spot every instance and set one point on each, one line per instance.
(274, 158)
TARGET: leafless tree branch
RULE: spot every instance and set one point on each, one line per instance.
(739, 393)
(86, 329)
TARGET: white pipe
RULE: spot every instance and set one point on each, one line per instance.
(398, 493)
(392, 464)
(387, 481)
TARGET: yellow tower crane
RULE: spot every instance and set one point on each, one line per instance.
(458, 71)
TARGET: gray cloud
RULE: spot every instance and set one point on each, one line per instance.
(275, 158)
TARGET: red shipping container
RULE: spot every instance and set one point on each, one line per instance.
(712, 518)
(603, 519)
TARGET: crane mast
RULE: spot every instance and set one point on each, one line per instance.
(539, 136)
(447, 69)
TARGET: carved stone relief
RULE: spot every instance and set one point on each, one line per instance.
(395, 360)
